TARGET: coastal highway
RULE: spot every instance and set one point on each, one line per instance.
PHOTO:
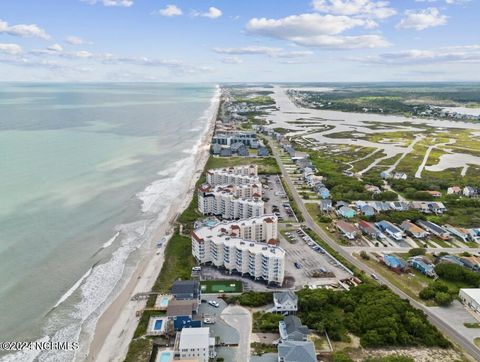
(448, 330)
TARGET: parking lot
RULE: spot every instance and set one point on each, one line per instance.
(276, 200)
(307, 262)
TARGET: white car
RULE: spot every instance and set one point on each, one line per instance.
(214, 303)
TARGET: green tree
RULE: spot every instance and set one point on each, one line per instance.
(443, 299)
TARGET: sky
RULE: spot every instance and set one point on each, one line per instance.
(240, 40)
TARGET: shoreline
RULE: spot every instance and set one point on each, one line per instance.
(115, 327)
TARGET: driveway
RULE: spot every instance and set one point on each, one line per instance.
(455, 315)
(240, 319)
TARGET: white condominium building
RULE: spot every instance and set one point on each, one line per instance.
(240, 247)
(238, 175)
(230, 202)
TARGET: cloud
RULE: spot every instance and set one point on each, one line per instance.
(120, 3)
(317, 30)
(10, 48)
(361, 8)
(457, 54)
(232, 60)
(422, 19)
(55, 48)
(23, 30)
(212, 13)
(259, 50)
(75, 40)
(248, 50)
(170, 10)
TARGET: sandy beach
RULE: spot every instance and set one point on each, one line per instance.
(115, 327)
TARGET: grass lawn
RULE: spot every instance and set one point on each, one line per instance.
(222, 286)
(266, 165)
(411, 285)
(477, 342)
(178, 262)
(472, 325)
(139, 350)
(259, 349)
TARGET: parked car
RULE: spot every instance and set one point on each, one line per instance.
(214, 303)
(297, 265)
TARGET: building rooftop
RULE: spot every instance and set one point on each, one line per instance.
(181, 307)
(294, 351)
(194, 338)
(186, 287)
(473, 293)
(282, 297)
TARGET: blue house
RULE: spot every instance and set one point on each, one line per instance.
(263, 152)
(394, 263)
(390, 229)
(423, 266)
(346, 212)
(367, 210)
(324, 192)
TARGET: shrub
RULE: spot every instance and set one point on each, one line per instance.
(416, 252)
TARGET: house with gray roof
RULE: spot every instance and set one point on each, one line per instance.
(285, 302)
(292, 329)
(186, 289)
(296, 351)
(226, 152)
(263, 152)
(216, 149)
(242, 151)
(326, 205)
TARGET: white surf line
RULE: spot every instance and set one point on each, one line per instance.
(418, 174)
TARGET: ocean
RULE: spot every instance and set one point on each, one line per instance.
(87, 172)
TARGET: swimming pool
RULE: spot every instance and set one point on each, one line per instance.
(164, 301)
(158, 325)
(211, 223)
(165, 356)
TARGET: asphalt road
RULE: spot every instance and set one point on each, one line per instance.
(449, 331)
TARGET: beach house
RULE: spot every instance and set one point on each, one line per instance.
(454, 190)
(434, 229)
(390, 229)
(369, 229)
(346, 212)
(195, 344)
(469, 191)
(326, 206)
(284, 302)
(458, 232)
(423, 265)
(291, 328)
(347, 229)
(411, 229)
